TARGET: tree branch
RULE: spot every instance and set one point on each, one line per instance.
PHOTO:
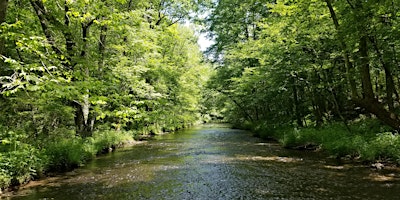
(41, 14)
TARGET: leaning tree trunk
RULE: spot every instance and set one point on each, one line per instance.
(368, 100)
(42, 14)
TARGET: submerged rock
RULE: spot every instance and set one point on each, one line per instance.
(377, 166)
(308, 146)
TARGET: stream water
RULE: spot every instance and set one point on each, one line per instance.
(215, 162)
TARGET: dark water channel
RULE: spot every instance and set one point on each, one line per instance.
(214, 162)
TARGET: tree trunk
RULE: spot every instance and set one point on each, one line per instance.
(349, 66)
(317, 101)
(69, 42)
(375, 107)
(3, 10)
(369, 102)
(3, 14)
(41, 14)
(390, 86)
(367, 90)
(102, 45)
(296, 103)
(84, 124)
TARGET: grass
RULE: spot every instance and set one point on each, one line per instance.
(66, 154)
(367, 140)
(21, 162)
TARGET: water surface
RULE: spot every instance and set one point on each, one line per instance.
(215, 162)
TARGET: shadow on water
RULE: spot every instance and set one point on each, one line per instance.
(215, 162)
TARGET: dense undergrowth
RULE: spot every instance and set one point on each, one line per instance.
(21, 162)
(365, 140)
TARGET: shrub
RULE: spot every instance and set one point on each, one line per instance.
(382, 146)
(362, 142)
(66, 154)
(108, 139)
(369, 127)
(5, 178)
(19, 161)
(17, 167)
(291, 138)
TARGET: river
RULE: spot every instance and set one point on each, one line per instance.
(215, 162)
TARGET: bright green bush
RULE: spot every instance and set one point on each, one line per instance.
(66, 154)
(382, 146)
(369, 127)
(290, 138)
(20, 166)
(19, 161)
(108, 139)
(361, 141)
(5, 178)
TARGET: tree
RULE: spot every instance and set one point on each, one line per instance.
(365, 34)
(101, 62)
(3, 14)
(305, 49)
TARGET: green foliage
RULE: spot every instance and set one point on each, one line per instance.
(286, 62)
(66, 154)
(335, 139)
(108, 139)
(5, 178)
(369, 126)
(78, 77)
(126, 66)
(20, 166)
(382, 146)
